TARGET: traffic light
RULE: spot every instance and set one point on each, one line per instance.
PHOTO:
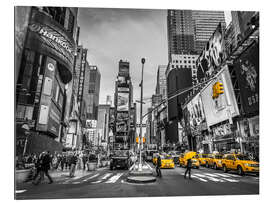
(137, 139)
(143, 139)
(217, 90)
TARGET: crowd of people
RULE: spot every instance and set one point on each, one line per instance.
(40, 164)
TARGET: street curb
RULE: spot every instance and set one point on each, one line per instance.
(138, 179)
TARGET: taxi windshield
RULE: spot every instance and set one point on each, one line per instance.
(242, 157)
(203, 155)
(166, 157)
(218, 157)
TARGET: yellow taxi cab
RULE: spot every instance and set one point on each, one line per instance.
(190, 155)
(154, 160)
(239, 162)
(181, 159)
(215, 160)
(166, 161)
(203, 159)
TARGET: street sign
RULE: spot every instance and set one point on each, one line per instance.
(143, 125)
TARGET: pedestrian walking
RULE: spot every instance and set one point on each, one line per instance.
(84, 160)
(158, 165)
(45, 167)
(188, 170)
(73, 161)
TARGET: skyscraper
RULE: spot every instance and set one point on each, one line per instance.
(181, 32)
(189, 31)
(161, 87)
(205, 23)
(94, 88)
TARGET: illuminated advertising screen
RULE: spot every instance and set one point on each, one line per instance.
(54, 120)
(194, 114)
(225, 106)
(247, 72)
(122, 116)
(123, 101)
(91, 123)
(121, 126)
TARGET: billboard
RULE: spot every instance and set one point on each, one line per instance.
(122, 116)
(54, 120)
(225, 106)
(213, 54)
(121, 126)
(91, 123)
(122, 101)
(194, 115)
(247, 72)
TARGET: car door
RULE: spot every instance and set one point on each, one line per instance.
(234, 165)
(228, 161)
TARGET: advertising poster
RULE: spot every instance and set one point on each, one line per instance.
(91, 123)
(122, 101)
(195, 115)
(122, 116)
(121, 126)
(222, 108)
(247, 72)
(213, 54)
(54, 120)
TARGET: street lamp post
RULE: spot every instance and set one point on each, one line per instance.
(27, 129)
(141, 117)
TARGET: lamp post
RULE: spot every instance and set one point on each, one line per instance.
(141, 103)
(27, 129)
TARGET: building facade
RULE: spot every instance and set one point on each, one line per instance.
(44, 71)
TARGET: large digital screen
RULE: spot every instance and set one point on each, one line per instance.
(122, 101)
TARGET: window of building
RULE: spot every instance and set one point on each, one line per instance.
(56, 13)
(185, 61)
(189, 61)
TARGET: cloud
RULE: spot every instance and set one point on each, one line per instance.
(128, 34)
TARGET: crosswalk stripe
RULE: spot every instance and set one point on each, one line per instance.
(106, 176)
(231, 180)
(222, 175)
(98, 181)
(114, 178)
(20, 191)
(194, 176)
(210, 178)
(91, 177)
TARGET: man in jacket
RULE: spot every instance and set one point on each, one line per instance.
(188, 170)
(45, 167)
(73, 161)
(158, 166)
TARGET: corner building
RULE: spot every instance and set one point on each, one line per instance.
(45, 68)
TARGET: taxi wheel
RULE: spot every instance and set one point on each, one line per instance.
(240, 171)
(224, 168)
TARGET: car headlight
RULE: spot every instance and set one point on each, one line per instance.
(249, 165)
(219, 162)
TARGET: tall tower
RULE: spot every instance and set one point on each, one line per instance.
(205, 23)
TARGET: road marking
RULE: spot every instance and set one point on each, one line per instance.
(98, 181)
(222, 175)
(232, 175)
(231, 180)
(210, 177)
(91, 177)
(114, 178)
(201, 179)
(20, 191)
(75, 182)
(106, 176)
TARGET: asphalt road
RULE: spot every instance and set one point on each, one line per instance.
(104, 183)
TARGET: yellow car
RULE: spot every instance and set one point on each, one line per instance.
(239, 162)
(215, 161)
(189, 155)
(167, 161)
(203, 159)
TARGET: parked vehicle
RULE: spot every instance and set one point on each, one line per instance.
(154, 160)
(240, 163)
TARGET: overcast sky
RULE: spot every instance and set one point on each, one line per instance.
(128, 34)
